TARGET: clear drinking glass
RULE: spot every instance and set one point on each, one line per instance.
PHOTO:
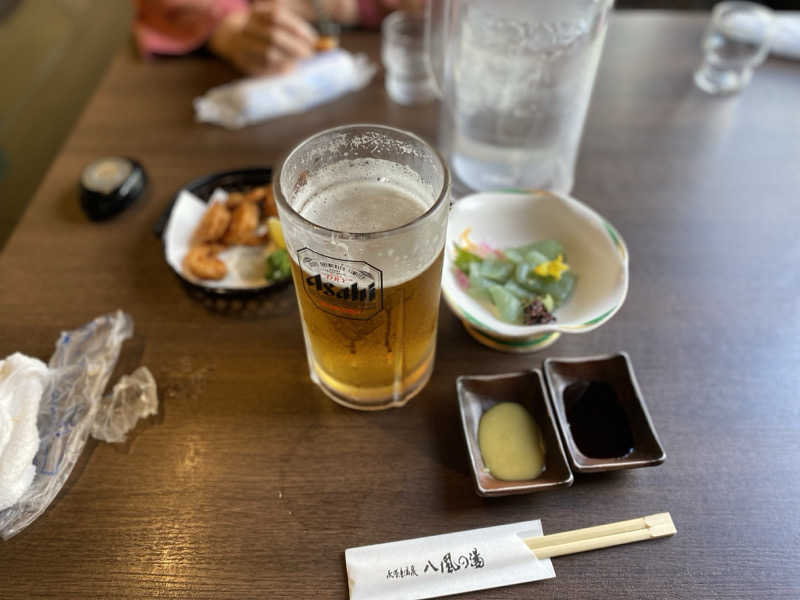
(364, 212)
(408, 77)
(515, 77)
(736, 41)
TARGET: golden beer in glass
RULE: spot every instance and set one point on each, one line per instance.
(364, 211)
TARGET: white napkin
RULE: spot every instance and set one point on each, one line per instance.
(22, 381)
(317, 80)
(786, 37)
(785, 40)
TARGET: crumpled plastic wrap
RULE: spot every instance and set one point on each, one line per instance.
(72, 406)
(133, 397)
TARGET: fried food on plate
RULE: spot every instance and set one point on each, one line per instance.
(234, 199)
(256, 195)
(213, 225)
(236, 221)
(244, 223)
(202, 262)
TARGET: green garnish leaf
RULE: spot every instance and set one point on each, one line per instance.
(278, 265)
(464, 258)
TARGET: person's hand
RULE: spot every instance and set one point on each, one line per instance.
(266, 39)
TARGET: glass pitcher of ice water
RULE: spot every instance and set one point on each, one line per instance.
(515, 77)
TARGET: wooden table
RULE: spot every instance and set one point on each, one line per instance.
(251, 483)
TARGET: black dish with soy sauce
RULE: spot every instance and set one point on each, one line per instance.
(601, 413)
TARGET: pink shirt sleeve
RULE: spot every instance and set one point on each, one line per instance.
(371, 13)
(178, 26)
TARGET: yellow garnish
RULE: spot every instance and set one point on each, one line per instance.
(552, 268)
(466, 243)
(275, 232)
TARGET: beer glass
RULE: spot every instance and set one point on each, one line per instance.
(364, 212)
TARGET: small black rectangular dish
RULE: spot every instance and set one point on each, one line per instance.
(601, 413)
(479, 393)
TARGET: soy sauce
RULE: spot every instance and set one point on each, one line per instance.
(598, 423)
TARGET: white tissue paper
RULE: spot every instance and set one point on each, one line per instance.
(247, 265)
(22, 381)
(47, 413)
(785, 40)
(315, 81)
(447, 564)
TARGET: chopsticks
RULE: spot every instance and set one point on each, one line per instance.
(602, 536)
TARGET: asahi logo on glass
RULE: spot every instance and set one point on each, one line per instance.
(352, 289)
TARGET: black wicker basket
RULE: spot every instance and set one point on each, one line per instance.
(262, 301)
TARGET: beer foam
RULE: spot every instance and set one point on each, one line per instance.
(363, 196)
(370, 195)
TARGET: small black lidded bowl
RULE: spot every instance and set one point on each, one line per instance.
(601, 413)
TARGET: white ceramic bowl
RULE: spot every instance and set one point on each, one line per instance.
(596, 253)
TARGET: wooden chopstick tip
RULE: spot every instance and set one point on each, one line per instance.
(660, 524)
(602, 536)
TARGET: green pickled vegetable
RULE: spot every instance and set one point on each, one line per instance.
(496, 269)
(549, 248)
(508, 305)
(480, 290)
(517, 290)
(479, 285)
(559, 289)
(514, 255)
(508, 281)
(534, 257)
